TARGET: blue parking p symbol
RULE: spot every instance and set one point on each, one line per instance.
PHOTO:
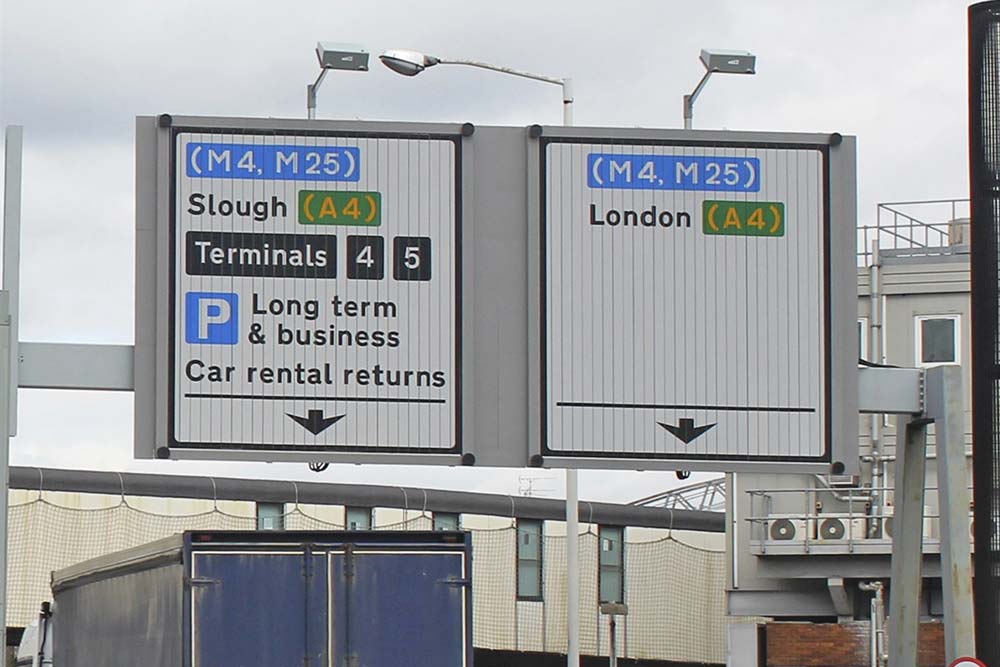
(211, 318)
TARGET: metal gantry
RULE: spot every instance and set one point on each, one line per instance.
(707, 496)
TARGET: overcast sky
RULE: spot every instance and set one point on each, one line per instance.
(76, 73)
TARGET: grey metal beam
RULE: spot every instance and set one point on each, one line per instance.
(904, 603)
(891, 390)
(320, 493)
(841, 598)
(13, 150)
(780, 603)
(945, 390)
(847, 565)
(76, 366)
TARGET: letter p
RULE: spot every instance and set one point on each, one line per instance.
(211, 318)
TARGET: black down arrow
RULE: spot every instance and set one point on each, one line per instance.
(315, 422)
(685, 430)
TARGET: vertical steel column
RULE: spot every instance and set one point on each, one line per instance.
(572, 569)
(907, 541)
(945, 405)
(984, 181)
(613, 648)
(13, 148)
(5, 390)
(572, 499)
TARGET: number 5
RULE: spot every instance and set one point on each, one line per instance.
(411, 257)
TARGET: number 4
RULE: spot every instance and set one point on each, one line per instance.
(365, 256)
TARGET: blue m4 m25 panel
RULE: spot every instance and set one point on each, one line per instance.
(271, 599)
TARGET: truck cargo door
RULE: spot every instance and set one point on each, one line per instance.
(392, 608)
(248, 609)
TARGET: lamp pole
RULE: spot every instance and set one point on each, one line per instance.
(689, 100)
(333, 55)
(311, 89)
(566, 84)
(716, 60)
(411, 63)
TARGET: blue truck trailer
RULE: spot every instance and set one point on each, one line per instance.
(270, 599)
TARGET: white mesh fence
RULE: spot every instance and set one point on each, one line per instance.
(674, 591)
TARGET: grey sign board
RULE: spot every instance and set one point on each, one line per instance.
(425, 293)
(693, 302)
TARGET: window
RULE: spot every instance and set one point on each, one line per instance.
(446, 521)
(863, 338)
(529, 559)
(270, 516)
(938, 339)
(612, 563)
(358, 518)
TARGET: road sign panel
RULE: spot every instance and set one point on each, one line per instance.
(685, 299)
(640, 298)
(287, 332)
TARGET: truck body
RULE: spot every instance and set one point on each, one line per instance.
(271, 599)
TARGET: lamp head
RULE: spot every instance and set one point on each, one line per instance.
(407, 63)
(342, 56)
(729, 62)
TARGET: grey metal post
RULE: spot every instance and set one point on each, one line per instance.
(567, 90)
(689, 100)
(907, 540)
(944, 391)
(572, 569)
(311, 90)
(5, 390)
(13, 148)
(613, 649)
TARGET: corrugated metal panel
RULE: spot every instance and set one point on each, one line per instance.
(652, 320)
(314, 273)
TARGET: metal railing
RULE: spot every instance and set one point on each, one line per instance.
(932, 227)
(855, 507)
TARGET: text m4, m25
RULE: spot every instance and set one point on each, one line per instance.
(270, 162)
(673, 172)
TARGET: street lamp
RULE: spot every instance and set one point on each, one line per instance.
(350, 57)
(411, 63)
(724, 62)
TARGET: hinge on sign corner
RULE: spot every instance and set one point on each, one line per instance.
(351, 660)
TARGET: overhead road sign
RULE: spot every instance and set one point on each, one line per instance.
(308, 290)
(403, 293)
(695, 299)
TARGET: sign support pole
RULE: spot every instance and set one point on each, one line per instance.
(907, 540)
(5, 391)
(572, 568)
(945, 410)
(13, 147)
(572, 499)
(944, 403)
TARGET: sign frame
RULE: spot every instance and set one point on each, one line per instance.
(841, 422)
(154, 349)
